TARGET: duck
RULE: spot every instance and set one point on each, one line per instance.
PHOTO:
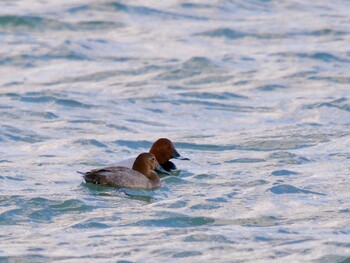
(164, 150)
(141, 176)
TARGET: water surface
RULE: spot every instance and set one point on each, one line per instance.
(255, 92)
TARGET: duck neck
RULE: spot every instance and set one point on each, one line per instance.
(153, 177)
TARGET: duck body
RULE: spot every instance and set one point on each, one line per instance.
(142, 175)
(120, 177)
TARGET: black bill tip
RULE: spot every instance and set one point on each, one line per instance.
(176, 155)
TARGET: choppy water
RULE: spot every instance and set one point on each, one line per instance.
(255, 92)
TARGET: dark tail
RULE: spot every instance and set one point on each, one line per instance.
(91, 177)
(87, 177)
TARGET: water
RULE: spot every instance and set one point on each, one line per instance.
(255, 92)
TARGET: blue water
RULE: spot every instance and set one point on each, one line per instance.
(256, 93)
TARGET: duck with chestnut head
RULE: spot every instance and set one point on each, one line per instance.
(142, 175)
(164, 150)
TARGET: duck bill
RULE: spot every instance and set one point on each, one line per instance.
(160, 169)
(176, 155)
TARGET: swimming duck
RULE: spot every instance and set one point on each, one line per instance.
(164, 150)
(141, 175)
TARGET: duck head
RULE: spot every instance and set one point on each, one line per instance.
(147, 164)
(164, 150)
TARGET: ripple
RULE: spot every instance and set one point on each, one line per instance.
(232, 34)
(25, 258)
(45, 210)
(227, 33)
(80, 8)
(211, 105)
(177, 204)
(72, 103)
(319, 56)
(246, 160)
(206, 207)
(70, 205)
(27, 60)
(92, 142)
(288, 158)
(341, 104)
(29, 22)
(271, 87)
(119, 127)
(97, 25)
(289, 189)
(147, 11)
(205, 147)
(183, 221)
(275, 144)
(255, 183)
(208, 238)
(107, 74)
(38, 201)
(203, 64)
(90, 225)
(198, 6)
(149, 123)
(334, 258)
(260, 221)
(16, 178)
(204, 176)
(326, 57)
(192, 67)
(10, 95)
(208, 80)
(177, 74)
(339, 244)
(45, 115)
(40, 97)
(174, 180)
(10, 22)
(19, 135)
(325, 32)
(12, 216)
(283, 173)
(215, 96)
(187, 254)
(333, 79)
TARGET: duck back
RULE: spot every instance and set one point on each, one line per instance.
(120, 177)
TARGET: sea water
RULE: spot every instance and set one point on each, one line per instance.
(256, 93)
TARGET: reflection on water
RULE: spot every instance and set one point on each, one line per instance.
(254, 92)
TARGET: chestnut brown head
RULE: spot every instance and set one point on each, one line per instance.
(164, 150)
(146, 163)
